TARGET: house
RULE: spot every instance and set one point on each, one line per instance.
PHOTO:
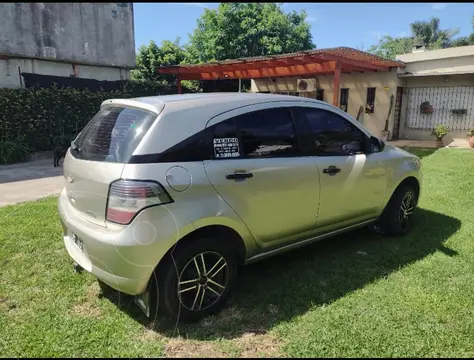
(445, 80)
(388, 92)
(79, 40)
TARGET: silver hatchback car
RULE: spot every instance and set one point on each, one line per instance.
(166, 196)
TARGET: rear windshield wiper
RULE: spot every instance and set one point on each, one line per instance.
(75, 147)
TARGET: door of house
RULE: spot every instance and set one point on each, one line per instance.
(396, 114)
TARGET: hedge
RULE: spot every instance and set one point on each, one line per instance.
(34, 120)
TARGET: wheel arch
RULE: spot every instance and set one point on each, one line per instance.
(407, 181)
(229, 235)
(411, 181)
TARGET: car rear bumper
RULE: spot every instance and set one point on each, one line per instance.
(123, 257)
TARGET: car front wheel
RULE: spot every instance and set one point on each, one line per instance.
(400, 211)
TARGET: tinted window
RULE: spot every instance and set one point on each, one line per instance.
(331, 133)
(267, 133)
(113, 134)
(195, 148)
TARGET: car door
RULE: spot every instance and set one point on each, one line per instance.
(259, 171)
(353, 182)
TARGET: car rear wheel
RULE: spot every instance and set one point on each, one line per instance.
(399, 211)
(197, 279)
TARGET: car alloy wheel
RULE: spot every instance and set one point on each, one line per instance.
(406, 210)
(202, 281)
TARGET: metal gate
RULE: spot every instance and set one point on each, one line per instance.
(452, 106)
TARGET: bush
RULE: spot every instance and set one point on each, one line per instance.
(440, 131)
(37, 119)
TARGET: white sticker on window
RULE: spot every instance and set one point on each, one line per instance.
(226, 148)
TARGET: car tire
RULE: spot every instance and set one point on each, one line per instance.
(399, 211)
(189, 291)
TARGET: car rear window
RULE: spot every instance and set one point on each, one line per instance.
(113, 134)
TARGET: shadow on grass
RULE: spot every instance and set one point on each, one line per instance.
(420, 152)
(288, 285)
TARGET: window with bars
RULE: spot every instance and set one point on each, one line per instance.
(370, 103)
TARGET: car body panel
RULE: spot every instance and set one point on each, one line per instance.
(288, 202)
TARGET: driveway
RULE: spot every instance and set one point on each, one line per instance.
(29, 181)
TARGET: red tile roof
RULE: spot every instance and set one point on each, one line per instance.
(317, 54)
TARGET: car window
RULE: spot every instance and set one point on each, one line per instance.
(225, 141)
(113, 134)
(331, 133)
(267, 133)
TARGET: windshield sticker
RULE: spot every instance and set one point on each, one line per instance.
(226, 148)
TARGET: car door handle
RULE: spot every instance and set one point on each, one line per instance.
(331, 170)
(239, 175)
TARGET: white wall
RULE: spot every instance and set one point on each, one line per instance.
(9, 77)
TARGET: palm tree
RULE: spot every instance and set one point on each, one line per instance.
(428, 33)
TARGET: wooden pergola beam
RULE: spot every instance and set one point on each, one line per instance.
(243, 66)
(336, 83)
(277, 71)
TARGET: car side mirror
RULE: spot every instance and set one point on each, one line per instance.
(376, 145)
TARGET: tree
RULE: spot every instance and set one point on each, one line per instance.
(389, 47)
(150, 56)
(465, 40)
(426, 33)
(236, 30)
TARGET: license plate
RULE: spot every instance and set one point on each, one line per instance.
(76, 240)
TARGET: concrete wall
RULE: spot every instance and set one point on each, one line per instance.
(441, 80)
(93, 33)
(460, 65)
(385, 83)
(10, 78)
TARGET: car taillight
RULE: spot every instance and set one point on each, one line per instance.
(128, 197)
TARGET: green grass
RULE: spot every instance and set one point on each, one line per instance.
(359, 294)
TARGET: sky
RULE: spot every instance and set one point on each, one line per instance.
(356, 25)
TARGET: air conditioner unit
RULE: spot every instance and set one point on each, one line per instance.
(306, 85)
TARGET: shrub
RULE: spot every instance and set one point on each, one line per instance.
(440, 131)
(13, 151)
(37, 119)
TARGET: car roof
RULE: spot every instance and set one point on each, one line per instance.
(215, 102)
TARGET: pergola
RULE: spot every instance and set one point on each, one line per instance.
(304, 63)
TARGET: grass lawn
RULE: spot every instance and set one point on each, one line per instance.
(359, 294)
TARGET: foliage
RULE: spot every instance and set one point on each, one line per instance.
(150, 56)
(168, 53)
(470, 132)
(426, 33)
(389, 47)
(236, 30)
(38, 119)
(465, 40)
(231, 31)
(13, 151)
(440, 131)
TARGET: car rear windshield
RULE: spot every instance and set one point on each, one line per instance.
(113, 134)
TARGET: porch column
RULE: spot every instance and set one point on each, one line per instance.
(336, 85)
(178, 86)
